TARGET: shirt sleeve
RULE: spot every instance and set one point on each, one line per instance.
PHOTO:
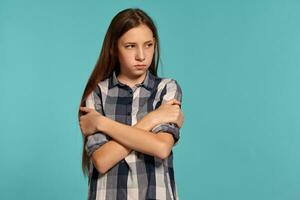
(96, 140)
(172, 90)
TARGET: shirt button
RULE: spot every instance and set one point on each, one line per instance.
(128, 113)
(130, 91)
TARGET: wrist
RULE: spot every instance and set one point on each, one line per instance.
(150, 120)
(101, 123)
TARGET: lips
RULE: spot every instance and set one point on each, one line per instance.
(140, 66)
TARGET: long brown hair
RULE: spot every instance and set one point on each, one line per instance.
(108, 60)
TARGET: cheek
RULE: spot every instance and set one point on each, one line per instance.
(125, 57)
(150, 55)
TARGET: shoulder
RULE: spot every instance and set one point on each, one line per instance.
(95, 95)
(169, 88)
(170, 84)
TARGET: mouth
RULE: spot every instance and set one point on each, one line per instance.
(140, 66)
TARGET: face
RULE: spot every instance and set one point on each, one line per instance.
(135, 51)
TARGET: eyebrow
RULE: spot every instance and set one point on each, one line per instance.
(135, 42)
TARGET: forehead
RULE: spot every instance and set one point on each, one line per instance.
(137, 34)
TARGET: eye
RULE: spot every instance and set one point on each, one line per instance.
(149, 45)
(129, 46)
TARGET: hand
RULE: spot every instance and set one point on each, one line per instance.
(89, 122)
(169, 112)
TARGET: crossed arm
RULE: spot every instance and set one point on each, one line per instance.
(137, 137)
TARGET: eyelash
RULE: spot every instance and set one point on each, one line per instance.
(131, 45)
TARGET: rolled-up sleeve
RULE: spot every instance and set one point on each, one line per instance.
(96, 140)
(172, 90)
(168, 128)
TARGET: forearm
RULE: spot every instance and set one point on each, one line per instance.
(133, 137)
(113, 152)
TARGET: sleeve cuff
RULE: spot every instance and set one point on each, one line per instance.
(169, 128)
(94, 142)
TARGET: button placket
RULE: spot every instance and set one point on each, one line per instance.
(128, 113)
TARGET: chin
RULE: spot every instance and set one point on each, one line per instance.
(139, 72)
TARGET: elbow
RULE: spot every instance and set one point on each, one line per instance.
(100, 166)
(163, 151)
(102, 169)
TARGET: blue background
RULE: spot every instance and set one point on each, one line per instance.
(238, 65)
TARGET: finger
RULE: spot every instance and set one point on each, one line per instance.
(173, 101)
(86, 109)
(177, 106)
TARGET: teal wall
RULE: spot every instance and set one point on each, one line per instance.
(238, 65)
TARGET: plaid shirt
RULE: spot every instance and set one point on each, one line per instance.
(138, 175)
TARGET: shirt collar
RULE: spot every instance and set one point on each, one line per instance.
(148, 82)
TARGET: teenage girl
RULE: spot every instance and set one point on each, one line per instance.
(130, 118)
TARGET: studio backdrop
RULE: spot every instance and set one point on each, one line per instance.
(237, 62)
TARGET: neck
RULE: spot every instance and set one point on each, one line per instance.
(131, 81)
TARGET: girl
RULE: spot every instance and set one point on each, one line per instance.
(129, 117)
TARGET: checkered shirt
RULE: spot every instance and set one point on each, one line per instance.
(138, 176)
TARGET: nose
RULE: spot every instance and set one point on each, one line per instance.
(140, 55)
